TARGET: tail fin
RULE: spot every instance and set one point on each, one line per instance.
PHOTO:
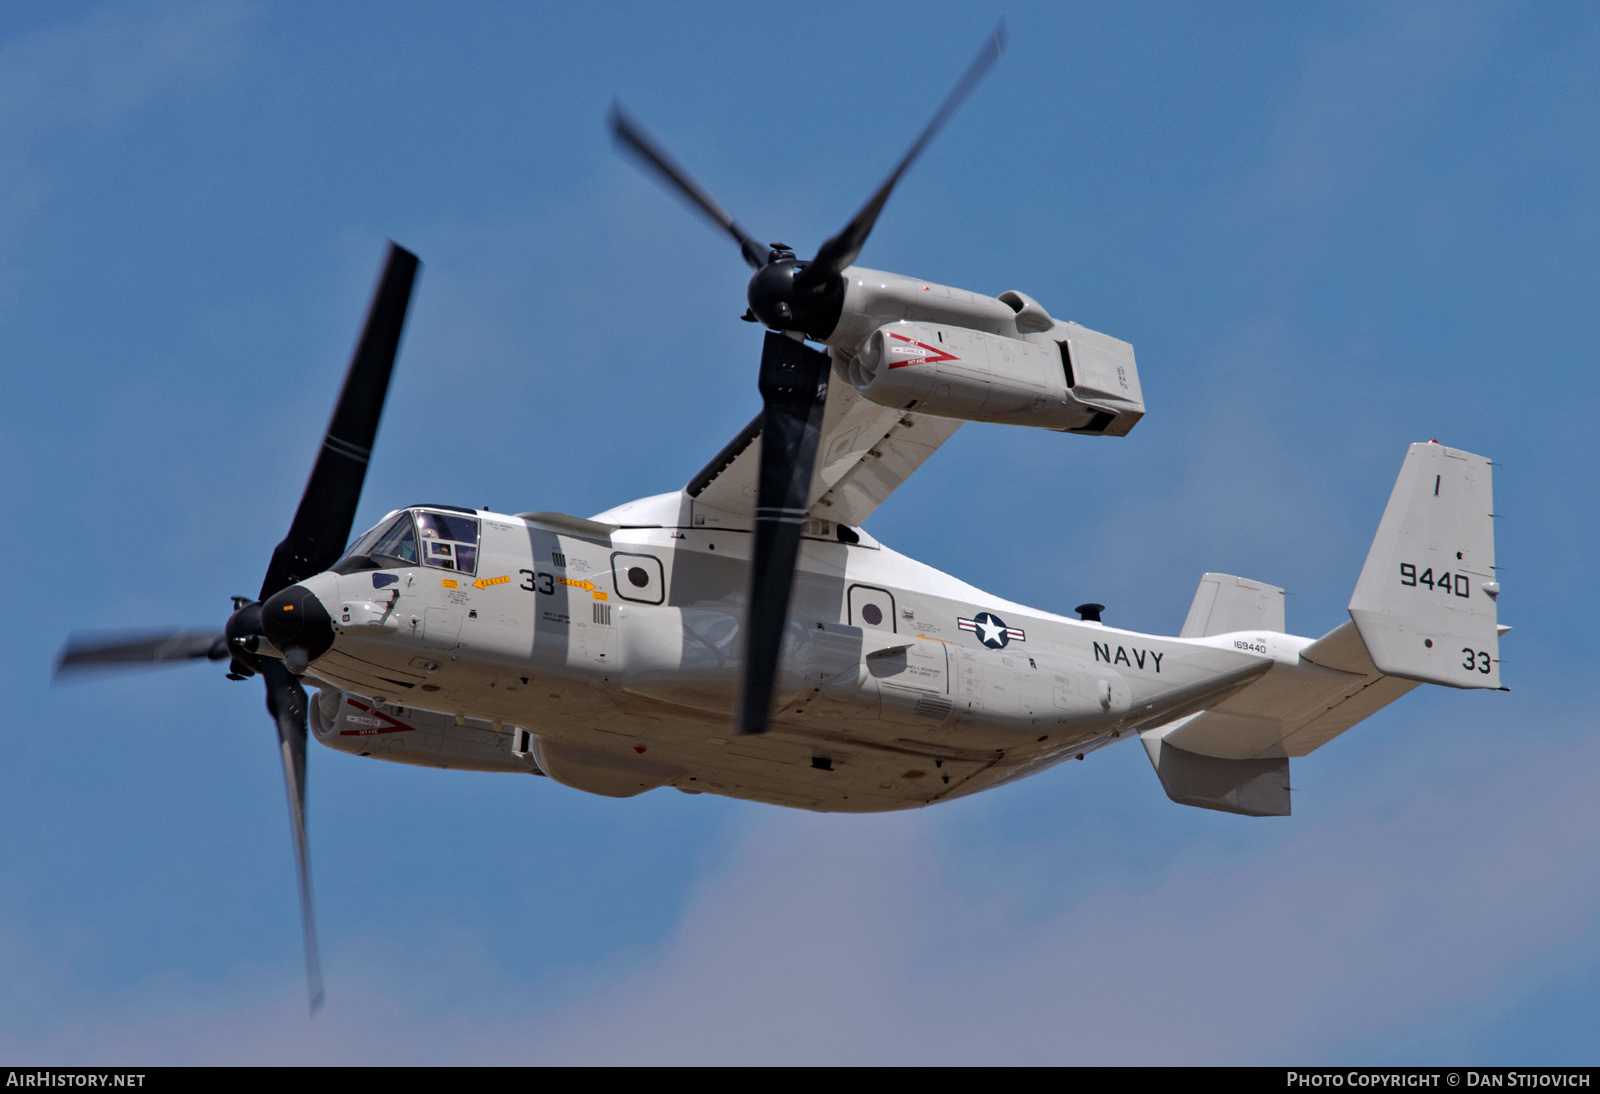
(1425, 603)
(1224, 603)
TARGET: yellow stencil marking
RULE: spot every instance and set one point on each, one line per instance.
(598, 595)
(485, 582)
(448, 582)
(576, 584)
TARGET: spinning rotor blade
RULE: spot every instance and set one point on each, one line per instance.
(794, 389)
(632, 136)
(317, 536)
(321, 525)
(88, 652)
(843, 249)
(286, 702)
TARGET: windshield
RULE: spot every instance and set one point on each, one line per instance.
(398, 541)
(449, 542)
(394, 541)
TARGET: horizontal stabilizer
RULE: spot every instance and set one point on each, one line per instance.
(1224, 604)
(1205, 759)
(1425, 602)
(1254, 788)
(1293, 709)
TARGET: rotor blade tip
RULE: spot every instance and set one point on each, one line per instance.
(619, 121)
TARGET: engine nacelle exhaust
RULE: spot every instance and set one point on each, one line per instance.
(1067, 378)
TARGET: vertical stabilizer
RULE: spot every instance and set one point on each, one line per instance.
(1425, 603)
(1224, 604)
(1251, 788)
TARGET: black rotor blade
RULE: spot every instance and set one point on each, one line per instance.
(632, 136)
(91, 652)
(794, 389)
(286, 702)
(321, 525)
(843, 249)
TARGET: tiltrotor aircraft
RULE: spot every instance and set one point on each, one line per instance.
(745, 636)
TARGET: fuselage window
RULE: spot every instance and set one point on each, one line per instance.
(449, 542)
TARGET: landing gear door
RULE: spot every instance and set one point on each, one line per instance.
(871, 607)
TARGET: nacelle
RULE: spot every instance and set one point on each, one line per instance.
(369, 727)
(1067, 378)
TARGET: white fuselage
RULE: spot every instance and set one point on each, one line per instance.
(607, 657)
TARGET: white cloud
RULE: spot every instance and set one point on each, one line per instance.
(92, 72)
(1361, 97)
(112, 60)
(823, 946)
(839, 939)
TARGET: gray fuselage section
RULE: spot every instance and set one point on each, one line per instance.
(616, 650)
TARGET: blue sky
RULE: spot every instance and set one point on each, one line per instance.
(1328, 230)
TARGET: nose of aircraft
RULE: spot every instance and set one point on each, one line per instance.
(295, 621)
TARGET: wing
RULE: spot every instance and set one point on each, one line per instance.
(866, 452)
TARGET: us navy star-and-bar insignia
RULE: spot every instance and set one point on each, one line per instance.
(991, 630)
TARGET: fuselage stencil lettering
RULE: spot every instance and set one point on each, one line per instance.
(1141, 658)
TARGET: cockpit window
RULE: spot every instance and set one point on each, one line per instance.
(394, 538)
(390, 543)
(449, 542)
(397, 542)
